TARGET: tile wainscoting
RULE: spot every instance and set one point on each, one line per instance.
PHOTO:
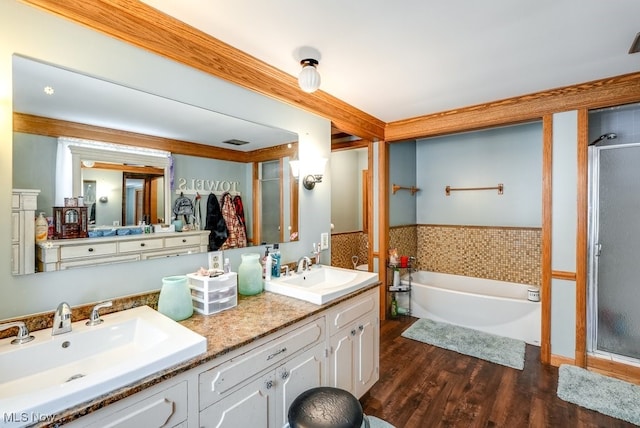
(502, 253)
(347, 244)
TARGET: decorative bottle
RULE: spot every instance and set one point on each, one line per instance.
(394, 306)
(42, 228)
(175, 298)
(250, 275)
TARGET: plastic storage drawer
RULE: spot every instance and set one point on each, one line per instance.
(211, 295)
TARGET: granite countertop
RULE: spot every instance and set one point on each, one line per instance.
(253, 318)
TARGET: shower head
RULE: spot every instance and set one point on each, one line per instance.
(609, 136)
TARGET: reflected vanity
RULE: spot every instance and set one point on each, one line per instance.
(39, 124)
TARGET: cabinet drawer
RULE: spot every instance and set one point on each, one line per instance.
(180, 241)
(88, 250)
(139, 245)
(217, 382)
(345, 314)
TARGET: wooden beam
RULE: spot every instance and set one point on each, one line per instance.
(138, 24)
(38, 125)
(599, 93)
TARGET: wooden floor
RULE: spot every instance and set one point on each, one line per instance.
(424, 386)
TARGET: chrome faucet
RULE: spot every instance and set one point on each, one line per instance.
(62, 319)
(94, 317)
(23, 335)
(303, 264)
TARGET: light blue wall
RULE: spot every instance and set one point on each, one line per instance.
(563, 232)
(346, 194)
(34, 33)
(402, 171)
(510, 155)
(34, 167)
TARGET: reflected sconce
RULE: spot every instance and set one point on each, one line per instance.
(312, 170)
(104, 199)
(309, 78)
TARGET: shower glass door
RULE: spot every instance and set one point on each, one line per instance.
(615, 251)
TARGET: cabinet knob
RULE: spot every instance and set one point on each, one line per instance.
(184, 240)
(142, 244)
(360, 327)
(268, 384)
(353, 332)
(90, 250)
(285, 374)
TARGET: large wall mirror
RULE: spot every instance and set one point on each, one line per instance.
(209, 152)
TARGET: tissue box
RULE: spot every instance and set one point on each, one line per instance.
(211, 295)
(159, 228)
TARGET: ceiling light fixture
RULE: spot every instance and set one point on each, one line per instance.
(49, 90)
(309, 78)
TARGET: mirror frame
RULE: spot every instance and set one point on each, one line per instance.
(79, 153)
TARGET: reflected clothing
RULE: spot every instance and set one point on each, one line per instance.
(237, 203)
(237, 236)
(215, 224)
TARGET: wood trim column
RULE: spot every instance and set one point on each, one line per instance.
(383, 222)
(581, 238)
(547, 193)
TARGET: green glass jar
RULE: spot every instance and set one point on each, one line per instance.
(175, 298)
(250, 275)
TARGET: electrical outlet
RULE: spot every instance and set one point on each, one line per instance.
(324, 241)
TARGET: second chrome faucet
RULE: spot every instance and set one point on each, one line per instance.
(62, 319)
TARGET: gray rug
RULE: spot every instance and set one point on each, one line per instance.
(603, 394)
(378, 423)
(497, 349)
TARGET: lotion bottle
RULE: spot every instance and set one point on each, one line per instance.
(42, 228)
(266, 265)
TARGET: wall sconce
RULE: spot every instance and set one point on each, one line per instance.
(104, 199)
(313, 170)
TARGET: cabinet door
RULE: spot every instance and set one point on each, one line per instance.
(164, 409)
(342, 359)
(366, 355)
(296, 376)
(250, 406)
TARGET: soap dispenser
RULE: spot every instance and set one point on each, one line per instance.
(266, 264)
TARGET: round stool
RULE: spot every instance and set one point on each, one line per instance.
(326, 407)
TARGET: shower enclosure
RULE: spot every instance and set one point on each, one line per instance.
(614, 252)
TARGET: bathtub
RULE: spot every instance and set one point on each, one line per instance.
(488, 305)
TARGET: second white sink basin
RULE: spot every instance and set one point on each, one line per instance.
(52, 373)
(321, 284)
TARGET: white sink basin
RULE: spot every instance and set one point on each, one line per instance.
(52, 373)
(321, 284)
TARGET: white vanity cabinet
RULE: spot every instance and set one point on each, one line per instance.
(256, 388)
(354, 344)
(63, 254)
(23, 214)
(163, 405)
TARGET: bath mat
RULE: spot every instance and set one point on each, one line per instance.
(612, 397)
(378, 423)
(496, 349)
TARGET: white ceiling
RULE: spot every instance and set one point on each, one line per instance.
(402, 59)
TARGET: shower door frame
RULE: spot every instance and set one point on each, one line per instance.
(592, 257)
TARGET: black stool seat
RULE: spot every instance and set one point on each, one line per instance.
(325, 407)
